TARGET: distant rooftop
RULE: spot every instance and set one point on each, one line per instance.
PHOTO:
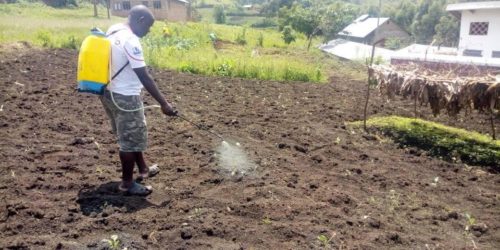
(473, 6)
(362, 26)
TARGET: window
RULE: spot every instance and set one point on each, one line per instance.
(479, 28)
(145, 3)
(117, 6)
(473, 52)
(126, 5)
(495, 54)
(157, 4)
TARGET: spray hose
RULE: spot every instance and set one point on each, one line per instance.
(158, 106)
(131, 110)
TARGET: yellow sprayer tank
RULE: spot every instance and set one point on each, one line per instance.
(93, 63)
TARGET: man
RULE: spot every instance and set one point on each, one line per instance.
(122, 100)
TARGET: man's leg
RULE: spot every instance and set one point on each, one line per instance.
(128, 160)
(141, 164)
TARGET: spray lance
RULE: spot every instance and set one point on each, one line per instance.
(200, 127)
(231, 157)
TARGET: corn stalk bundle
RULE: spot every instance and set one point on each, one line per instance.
(452, 93)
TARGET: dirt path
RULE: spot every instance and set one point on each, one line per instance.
(315, 176)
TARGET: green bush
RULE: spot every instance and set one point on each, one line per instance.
(287, 35)
(187, 68)
(241, 38)
(70, 43)
(219, 14)
(45, 37)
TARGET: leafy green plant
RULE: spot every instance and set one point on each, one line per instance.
(224, 69)
(45, 37)
(287, 35)
(114, 242)
(471, 221)
(393, 199)
(187, 68)
(267, 221)
(325, 241)
(70, 43)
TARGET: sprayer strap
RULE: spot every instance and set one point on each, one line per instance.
(122, 68)
(119, 71)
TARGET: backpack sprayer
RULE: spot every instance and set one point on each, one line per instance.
(94, 71)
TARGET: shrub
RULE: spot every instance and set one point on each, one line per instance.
(224, 69)
(241, 38)
(219, 14)
(188, 68)
(70, 43)
(287, 35)
(45, 37)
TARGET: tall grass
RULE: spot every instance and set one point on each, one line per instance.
(189, 49)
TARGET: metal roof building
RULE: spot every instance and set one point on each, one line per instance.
(365, 30)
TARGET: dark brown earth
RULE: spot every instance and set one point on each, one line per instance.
(316, 176)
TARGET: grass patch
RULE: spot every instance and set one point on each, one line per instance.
(244, 52)
(440, 140)
(189, 48)
(50, 27)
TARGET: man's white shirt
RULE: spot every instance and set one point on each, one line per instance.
(125, 47)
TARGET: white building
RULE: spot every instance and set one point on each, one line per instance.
(479, 44)
(479, 28)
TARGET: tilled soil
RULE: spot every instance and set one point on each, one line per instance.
(315, 175)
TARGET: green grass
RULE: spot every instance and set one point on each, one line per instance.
(188, 49)
(440, 140)
(50, 27)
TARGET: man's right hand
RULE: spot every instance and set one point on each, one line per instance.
(168, 110)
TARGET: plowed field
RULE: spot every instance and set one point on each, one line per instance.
(316, 176)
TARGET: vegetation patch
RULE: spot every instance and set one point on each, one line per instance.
(439, 140)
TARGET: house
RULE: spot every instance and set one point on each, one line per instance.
(478, 47)
(171, 10)
(479, 28)
(365, 30)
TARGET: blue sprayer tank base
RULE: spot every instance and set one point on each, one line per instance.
(91, 87)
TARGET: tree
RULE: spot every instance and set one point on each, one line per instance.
(272, 7)
(402, 13)
(303, 20)
(447, 31)
(219, 14)
(314, 18)
(95, 2)
(428, 16)
(336, 17)
(108, 5)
